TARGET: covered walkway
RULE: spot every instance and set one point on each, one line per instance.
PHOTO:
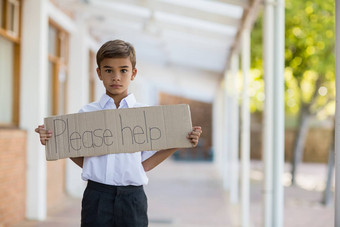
(189, 194)
(198, 52)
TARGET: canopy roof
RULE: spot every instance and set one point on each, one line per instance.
(190, 33)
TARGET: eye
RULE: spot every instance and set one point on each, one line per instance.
(123, 70)
(108, 70)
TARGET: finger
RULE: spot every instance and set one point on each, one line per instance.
(194, 142)
(196, 128)
(44, 132)
(38, 128)
(48, 133)
(195, 133)
(193, 138)
(42, 141)
(45, 136)
(42, 135)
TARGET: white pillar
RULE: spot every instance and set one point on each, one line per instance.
(226, 119)
(337, 118)
(234, 131)
(78, 80)
(78, 93)
(268, 68)
(217, 129)
(245, 133)
(273, 139)
(278, 113)
(33, 101)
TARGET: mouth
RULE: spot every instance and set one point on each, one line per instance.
(115, 86)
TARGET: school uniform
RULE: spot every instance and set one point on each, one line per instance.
(114, 195)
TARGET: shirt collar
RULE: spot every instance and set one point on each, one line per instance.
(129, 101)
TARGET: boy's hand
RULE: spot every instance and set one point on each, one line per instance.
(44, 134)
(194, 135)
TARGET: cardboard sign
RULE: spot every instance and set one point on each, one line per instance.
(118, 131)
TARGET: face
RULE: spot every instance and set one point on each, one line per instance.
(116, 74)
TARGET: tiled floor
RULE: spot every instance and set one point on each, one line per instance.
(188, 194)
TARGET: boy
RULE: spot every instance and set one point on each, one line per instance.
(114, 195)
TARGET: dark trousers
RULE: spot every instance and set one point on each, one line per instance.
(114, 206)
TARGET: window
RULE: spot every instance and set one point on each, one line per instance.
(6, 78)
(92, 76)
(2, 13)
(10, 18)
(9, 62)
(13, 17)
(57, 69)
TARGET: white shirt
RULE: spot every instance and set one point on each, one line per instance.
(115, 169)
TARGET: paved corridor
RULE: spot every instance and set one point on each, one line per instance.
(190, 194)
(186, 194)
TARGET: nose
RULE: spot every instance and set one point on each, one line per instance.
(115, 77)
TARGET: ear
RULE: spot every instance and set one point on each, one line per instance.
(99, 74)
(134, 74)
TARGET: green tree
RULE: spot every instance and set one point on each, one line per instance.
(309, 62)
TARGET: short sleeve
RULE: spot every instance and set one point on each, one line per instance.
(147, 154)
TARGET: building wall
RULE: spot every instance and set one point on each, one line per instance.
(217, 132)
(316, 148)
(201, 115)
(55, 182)
(186, 82)
(46, 181)
(12, 172)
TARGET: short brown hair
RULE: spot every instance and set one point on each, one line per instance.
(116, 49)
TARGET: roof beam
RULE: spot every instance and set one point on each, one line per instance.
(248, 20)
(242, 3)
(194, 13)
(114, 26)
(197, 32)
(108, 14)
(177, 10)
